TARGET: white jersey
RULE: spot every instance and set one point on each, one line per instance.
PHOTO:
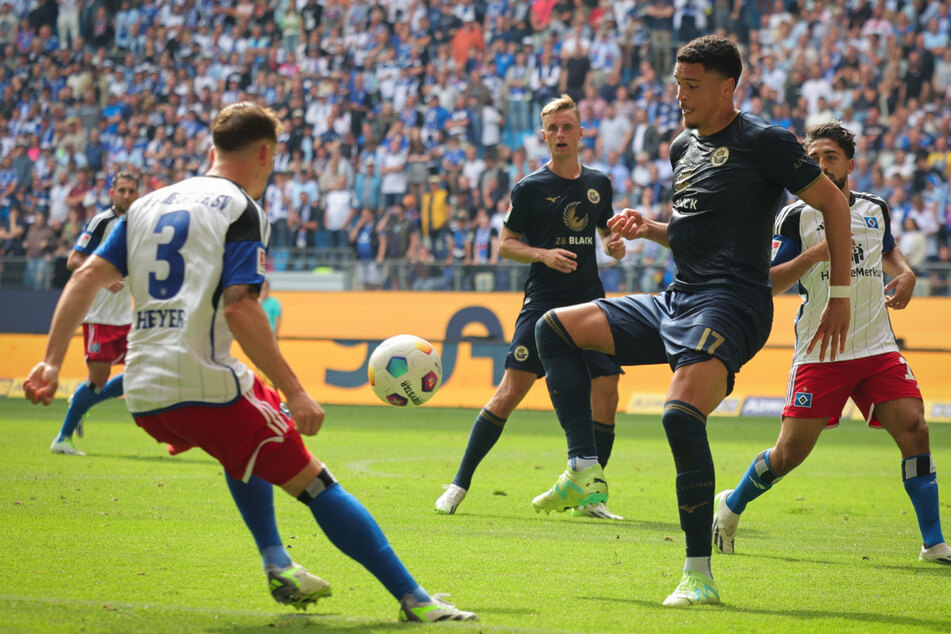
(110, 308)
(180, 247)
(798, 227)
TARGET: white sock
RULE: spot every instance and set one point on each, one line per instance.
(580, 463)
(698, 564)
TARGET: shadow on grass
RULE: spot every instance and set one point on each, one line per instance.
(198, 459)
(800, 614)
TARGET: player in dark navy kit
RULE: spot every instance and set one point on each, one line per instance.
(730, 170)
(551, 224)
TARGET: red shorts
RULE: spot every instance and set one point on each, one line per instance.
(820, 390)
(105, 342)
(250, 436)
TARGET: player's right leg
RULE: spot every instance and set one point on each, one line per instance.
(486, 431)
(85, 396)
(562, 335)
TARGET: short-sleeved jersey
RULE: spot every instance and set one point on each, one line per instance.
(727, 189)
(180, 247)
(799, 227)
(552, 212)
(107, 307)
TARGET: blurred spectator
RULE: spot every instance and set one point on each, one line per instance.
(340, 207)
(399, 241)
(39, 244)
(433, 213)
(366, 244)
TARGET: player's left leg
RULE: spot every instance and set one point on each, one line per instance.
(604, 401)
(694, 392)
(82, 400)
(904, 419)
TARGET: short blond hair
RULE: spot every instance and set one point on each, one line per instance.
(561, 104)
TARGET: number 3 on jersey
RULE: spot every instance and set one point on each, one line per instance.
(169, 252)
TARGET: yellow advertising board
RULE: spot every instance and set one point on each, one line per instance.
(328, 337)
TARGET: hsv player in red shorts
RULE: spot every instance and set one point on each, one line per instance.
(869, 368)
(106, 324)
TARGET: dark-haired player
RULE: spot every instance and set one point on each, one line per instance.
(730, 170)
(554, 215)
(870, 369)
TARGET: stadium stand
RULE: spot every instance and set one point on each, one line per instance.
(379, 98)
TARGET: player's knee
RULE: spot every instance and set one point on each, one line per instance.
(550, 334)
(323, 481)
(686, 433)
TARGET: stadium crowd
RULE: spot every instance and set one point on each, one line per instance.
(407, 122)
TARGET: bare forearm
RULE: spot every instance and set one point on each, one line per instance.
(788, 273)
(73, 305)
(251, 329)
(518, 251)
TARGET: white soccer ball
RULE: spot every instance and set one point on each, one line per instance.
(405, 371)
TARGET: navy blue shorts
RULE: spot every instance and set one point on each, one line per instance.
(523, 353)
(685, 328)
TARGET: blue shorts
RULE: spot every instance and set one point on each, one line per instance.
(523, 353)
(684, 328)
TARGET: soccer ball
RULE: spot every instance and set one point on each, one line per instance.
(405, 371)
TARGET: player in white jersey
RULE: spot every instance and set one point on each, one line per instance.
(194, 255)
(870, 369)
(106, 325)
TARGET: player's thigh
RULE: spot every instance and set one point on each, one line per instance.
(522, 354)
(634, 323)
(587, 325)
(512, 389)
(797, 438)
(889, 389)
(820, 390)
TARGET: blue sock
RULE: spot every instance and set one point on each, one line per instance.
(569, 384)
(351, 528)
(758, 479)
(604, 440)
(255, 501)
(112, 389)
(485, 432)
(686, 432)
(921, 484)
(83, 398)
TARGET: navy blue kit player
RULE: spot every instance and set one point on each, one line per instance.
(554, 215)
(730, 173)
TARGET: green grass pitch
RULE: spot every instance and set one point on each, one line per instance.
(129, 539)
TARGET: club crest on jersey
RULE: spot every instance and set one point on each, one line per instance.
(521, 353)
(572, 221)
(594, 197)
(262, 261)
(720, 156)
(84, 240)
(803, 399)
(871, 223)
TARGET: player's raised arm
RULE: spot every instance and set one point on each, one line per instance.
(834, 323)
(40, 385)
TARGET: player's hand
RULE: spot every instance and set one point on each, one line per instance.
(615, 247)
(630, 224)
(115, 287)
(40, 386)
(561, 260)
(833, 328)
(904, 287)
(307, 413)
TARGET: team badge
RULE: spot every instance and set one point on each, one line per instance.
(594, 196)
(521, 353)
(775, 249)
(262, 261)
(803, 399)
(94, 348)
(83, 240)
(720, 156)
(871, 223)
(570, 216)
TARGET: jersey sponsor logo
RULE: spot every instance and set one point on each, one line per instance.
(572, 221)
(720, 156)
(870, 222)
(687, 204)
(594, 197)
(521, 354)
(803, 399)
(262, 261)
(84, 240)
(858, 253)
(551, 199)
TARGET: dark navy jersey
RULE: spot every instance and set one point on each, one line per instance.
(727, 189)
(551, 212)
